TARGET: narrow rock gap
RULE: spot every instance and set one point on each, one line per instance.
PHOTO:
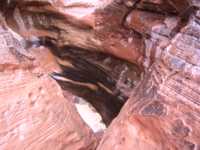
(85, 76)
(160, 36)
(100, 79)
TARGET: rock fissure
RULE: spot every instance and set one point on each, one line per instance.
(141, 53)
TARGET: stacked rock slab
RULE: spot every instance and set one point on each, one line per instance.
(78, 23)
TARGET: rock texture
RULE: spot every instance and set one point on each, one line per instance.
(104, 81)
(79, 23)
(34, 113)
(163, 111)
(160, 36)
(61, 27)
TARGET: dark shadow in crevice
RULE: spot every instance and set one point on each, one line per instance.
(101, 79)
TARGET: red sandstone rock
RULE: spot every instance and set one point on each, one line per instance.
(34, 113)
(95, 25)
(159, 6)
(163, 111)
(144, 21)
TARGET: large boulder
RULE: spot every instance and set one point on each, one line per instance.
(163, 111)
(93, 25)
(34, 114)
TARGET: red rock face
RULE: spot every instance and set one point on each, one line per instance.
(163, 110)
(82, 11)
(34, 112)
(78, 23)
(160, 36)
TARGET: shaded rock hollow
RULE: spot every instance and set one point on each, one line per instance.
(161, 39)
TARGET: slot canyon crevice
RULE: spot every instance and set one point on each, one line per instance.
(137, 62)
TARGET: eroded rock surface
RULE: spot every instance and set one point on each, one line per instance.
(160, 36)
(34, 113)
(79, 23)
(163, 112)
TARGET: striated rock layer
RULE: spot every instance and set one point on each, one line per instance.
(78, 23)
(163, 111)
(34, 114)
(160, 36)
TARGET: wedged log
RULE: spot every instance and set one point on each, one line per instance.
(34, 114)
(163, 111)
(95, 25)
